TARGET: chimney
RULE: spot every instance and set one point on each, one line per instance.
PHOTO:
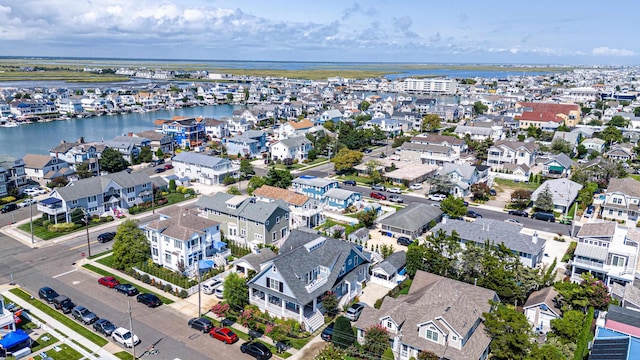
(534, 237)
(130, 134)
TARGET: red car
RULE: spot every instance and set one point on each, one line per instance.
(168, 167)
(109, 281)
(223, 334)
(377, 195)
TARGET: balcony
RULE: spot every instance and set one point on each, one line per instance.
(51, 206)
(588, 263)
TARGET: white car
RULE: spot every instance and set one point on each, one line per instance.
(27, 202)
(436, 197)
(514, 221)
(30, 192)
(415, 187)
(124, 337)
(395, 190)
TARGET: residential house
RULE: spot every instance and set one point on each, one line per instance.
(330, 115)
(628, 295)
(305, 211)
(252, 261)
(620, 152)
(428, 154)
(511, 152)
(69, 106)
(99, 195)
(360, 236)
(187, 132)
(391, 127)
(75, 152)
(215, 128)
(409, 173)
(246, 220)
(44, 168)
(605, 251)
(529, 248)
(391, 271)
(533, 112)
(180, 238)
(312, 186)
(544, 121)
(412, 221)
(541, 307)
(128, 146)
(439, 315)
(594, 144)
(237, 125)
(618, 337)
(573, 138)
(157, 141)
(340, 199)
(205, 169)
(515, 172)
(251, 143)
(14, 173)
(462, 176)
(558, 166)
(622, 199)
(292, 284)
(295, 128)
(4, 186)
(292, 148)
(7, 320)
(458, 145)
(480, 131)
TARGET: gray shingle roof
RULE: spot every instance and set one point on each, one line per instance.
(295, 141)
(314, 181)
(201, 159)
(393, 263)
(337, 193)
(563, 191)
(464, 170)
(96, 185)
(252, 210)
(255, 259)
(562, 159)
(413, 217)
(495, 231)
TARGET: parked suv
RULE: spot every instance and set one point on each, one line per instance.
(63, 304)
(47, 294)
(378, 187)
(202, 324)
(353, 313)
(545, 216)
(104, 326)
(403, 240)
(349, 182)
(436, 197)
(84, 315)
(9, 207)
(105, 237)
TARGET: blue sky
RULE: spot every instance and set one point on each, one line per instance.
(463, 31)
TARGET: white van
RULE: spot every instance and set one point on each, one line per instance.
(219, 292)
(209, 286)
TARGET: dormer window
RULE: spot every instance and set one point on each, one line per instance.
(432, 334)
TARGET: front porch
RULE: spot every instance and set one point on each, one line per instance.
(311, 314)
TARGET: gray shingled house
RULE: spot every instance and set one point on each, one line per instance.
(412, 221)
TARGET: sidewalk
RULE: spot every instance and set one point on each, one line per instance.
(56, 329)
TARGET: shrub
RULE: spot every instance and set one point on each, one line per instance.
(167, 287)
(378, 303)
(183, 294)
(62, 227)
(8, 199)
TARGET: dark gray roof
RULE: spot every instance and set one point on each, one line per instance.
(562, 159)
(256, 258)
(201, 159)
(295, 141)
(393, 263)
(413, 217)
(96, 185)
(249, 208)
(495, 231)
(623, 316)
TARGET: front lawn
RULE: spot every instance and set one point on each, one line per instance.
(358, 179)
(510, 184)
(41, 228)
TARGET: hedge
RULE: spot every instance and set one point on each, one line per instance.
(584, 338)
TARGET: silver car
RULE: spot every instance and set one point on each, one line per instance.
(353, 313)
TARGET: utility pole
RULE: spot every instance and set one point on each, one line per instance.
(573, 221)
(31, 220)
(133, 344)
(86, 220)
(199, 293)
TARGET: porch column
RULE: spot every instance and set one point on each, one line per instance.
(300, 313)
(266, 296)
(315, 304)
(282, 306)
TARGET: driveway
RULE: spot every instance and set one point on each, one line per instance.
(372, 292)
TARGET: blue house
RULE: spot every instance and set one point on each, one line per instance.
(313, 187)
(251, 143)
(330, 115)
(186, 132)
(341, 198)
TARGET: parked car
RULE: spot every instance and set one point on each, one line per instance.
(590, 210)
(367, 151)
(403, 240)
(349, 182)
(104, 326)
(378, 187)
(209, 286)
(8, 208)
(513, 221)
(396, 199)
(415, 187)
(106, 237)
(544, 216)
(473, 214)
(47, 294)
(125, 337)
(223, 334)
(327, 333)
(109, 281)
(84, 315)
(159, 170)
(377, 195)
(157, 162)
(149, 299)
(256, 349)
(168, 166)
(519, 213)
(436, 197)
(63, 303)
(219, 292)
(127, 289)
(201, 324)
(493, 192)
(395, 190)
(353, 312)
(27, 202)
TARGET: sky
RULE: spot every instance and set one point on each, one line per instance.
(462, 31)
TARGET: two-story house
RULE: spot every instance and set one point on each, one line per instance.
(292, 148)
(594, 144)
(622, 199)
(607, 252)
(180, 238)
(128, 146)
(305, 211)
(620, 152)
(7, 320)
(529, 248)
(251, 143)
(98, 195)
(557, 166)
(428, 154)
(341, 199)
(313, 187)
(292, 284)
(391, 127)
(187, 132)
(295, 128)
(205, 169)
(246, 220)
(439, 315)
(569, 114)
(216, 128)
(563, 193)
(157, 141)
(44, 168)
(458, 145)
(4, 186)
(462, 176)
(15, 175)
(76, 153)
(511, 152)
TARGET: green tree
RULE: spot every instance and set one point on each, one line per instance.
(581, 150)
(112, 161)
(172, 185)
(618, 121)
(440, 184)
(568, 326)
(346, 159)
(130, 246)
(399, 140)
(278, 178)
(454, 207)
(146, 155)
(546, 352)
(480, 191)
(343, 335)
(415, 258)
(367, 218)
(159, 153)
(636, 112)
(246, 168)
(510, 333)
(544, 202)
(254, 183)
(440, 254)
(330, 303)
(430, 122)
(376, 341)
(561, 146)
(330, 352)
(364, 105)
(479, 108)
(610, 134)
(236, 291)
(83, 172)
(427, 355)
(233, 190)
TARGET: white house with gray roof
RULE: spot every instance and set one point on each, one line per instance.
(530, 249)
(563, 193)
(98, 195)
(291, 285)
(462, 176)
(557, 166)
(412, 221)
(390, 271)
(252, 261)
(622, 200)
(245, 220)
(313, 187)
(292, 148)
(208, 170)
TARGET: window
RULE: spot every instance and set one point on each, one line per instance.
(432, 334)
(273, 236)
(177, 244)
(275, 284)
(74, 202)
(258, 236)
(243, 232)
(283, 232)
(617, 200)
(618, 260)
(154, 251)
(167, 257)
(131, 199)
(154, 238)
(92, 198)
(286, 216)
(389, 324)
(131, 189)
(277, 219)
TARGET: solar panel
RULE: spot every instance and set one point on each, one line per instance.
(609, 349)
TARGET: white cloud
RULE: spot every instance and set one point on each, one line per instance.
(605, 51)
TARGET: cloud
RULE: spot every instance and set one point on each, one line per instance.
(605, 51)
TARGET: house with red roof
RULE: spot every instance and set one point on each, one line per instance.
(538, 114)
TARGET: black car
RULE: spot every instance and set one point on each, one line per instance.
(473, 214)
(544, 216)
(327, 333)
(366, 151)
(9, 207)
(519, 213)
(126, 289)
(159, 170)
(47, 294)
(256, 349)
(104, 326)
(63, 304)
(201, 324)
(149, 299)
(105, 237)
(403, 240)
(349, 182)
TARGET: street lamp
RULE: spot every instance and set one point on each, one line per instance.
(86, 221)
(31, 219)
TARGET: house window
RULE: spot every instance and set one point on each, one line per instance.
(243, 232)
(273, 236)
(277, 219)
(92, 198)
(286, 216)
(619, 212)
(389, 324)
(177, 244)
(154, 238)
(131, 199)
(283, 232)
(617, 200)
(258, 236)
(618, 260)
(74, 202)
(432, 334)
(154, 251)
(167, 257)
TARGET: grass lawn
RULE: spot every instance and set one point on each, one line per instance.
(102, 272)
(42, 342)
(292, 167)
(43, 232)
(635, 176)
(124, 355)
(348, 229)
(65, 353)
(68, 322)
(516, 185)
(100, 254)
(358, 179)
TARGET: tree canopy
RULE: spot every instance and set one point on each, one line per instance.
(430, 122)
(82, 170)
(561, 146)
(130, 246)
(112, 161)
(479, 107)
(236, 291)
(278, 178)
(346, 159)
(544, 202)
(376, 341)
(510, 333)
(343, 335)
(453, 206)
